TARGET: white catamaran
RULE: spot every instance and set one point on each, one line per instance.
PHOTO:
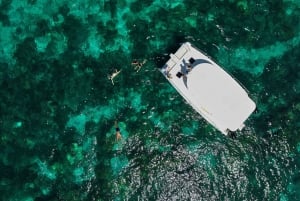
(212, 92)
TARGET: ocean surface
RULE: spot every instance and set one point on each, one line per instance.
(58, 107)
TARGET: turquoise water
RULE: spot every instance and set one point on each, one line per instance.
(58, 106)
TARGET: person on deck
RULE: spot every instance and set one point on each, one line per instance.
(189, 68)
(167, 72)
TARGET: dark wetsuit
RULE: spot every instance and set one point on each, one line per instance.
(117, 129)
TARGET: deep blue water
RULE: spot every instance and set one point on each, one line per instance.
(58, 106)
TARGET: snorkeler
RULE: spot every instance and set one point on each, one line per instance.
(113, 75)
(138, 65)
(118, 133)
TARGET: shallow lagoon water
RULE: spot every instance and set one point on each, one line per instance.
(58, 107)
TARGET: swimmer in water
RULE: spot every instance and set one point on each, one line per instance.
(113, 75)
(118, 133)
(138, 65)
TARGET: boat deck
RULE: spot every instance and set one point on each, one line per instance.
(208, 89)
